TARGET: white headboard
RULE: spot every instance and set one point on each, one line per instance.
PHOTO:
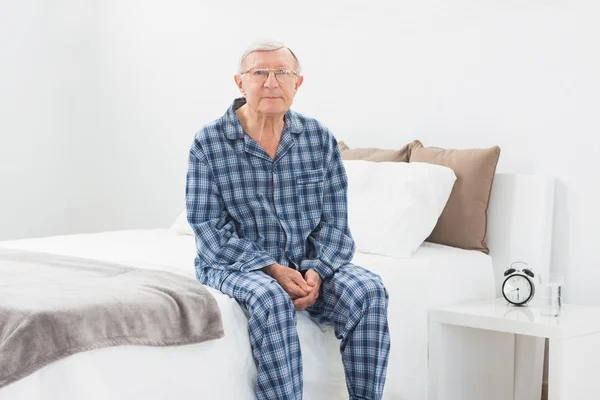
(520, 222)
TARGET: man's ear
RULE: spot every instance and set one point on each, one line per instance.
(238, 82)
(299, 81)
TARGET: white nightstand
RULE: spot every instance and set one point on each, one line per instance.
(472, 351)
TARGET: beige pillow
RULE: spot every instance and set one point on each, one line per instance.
(343, 146)
(463, 222)
(376, 155)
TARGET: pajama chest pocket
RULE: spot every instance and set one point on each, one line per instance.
(309, 189)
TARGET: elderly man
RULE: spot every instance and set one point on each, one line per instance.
(266, 197)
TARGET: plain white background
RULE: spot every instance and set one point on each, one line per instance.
(99, 100)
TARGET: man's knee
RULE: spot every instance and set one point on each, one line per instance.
(272, 298)
(371, 289)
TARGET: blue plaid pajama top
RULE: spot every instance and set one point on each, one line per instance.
(248, 210)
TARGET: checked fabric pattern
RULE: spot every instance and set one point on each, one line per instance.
(353, 300)
(249, 211)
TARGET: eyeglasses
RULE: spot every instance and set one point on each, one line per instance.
(260, 74)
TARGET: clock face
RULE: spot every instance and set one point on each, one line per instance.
(517, 289)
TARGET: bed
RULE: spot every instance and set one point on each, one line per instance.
(519, 228)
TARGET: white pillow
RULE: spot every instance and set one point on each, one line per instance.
(394, 206)
(181, 225)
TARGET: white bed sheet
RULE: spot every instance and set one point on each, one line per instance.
(223, 369)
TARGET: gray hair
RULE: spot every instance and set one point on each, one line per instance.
(266, 45)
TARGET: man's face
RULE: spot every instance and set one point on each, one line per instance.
(269, 97)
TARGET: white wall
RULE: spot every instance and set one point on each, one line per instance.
(55, 127)
(117, 90)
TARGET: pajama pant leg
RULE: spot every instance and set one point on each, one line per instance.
(355, 301)
(273, 335)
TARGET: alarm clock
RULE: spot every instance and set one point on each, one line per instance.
(518, 287)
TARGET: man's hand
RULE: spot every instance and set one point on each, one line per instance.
(290, 280)
(314, 281)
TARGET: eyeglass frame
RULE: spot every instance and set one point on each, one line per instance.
(269, 72)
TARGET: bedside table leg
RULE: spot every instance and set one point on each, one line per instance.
(574, 368)
(470, 364)
(529, 367)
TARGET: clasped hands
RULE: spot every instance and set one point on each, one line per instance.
(303, 291)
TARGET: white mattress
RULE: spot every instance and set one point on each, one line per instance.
(223, 369)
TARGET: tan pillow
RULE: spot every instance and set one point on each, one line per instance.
(376, 155)
(463, 222)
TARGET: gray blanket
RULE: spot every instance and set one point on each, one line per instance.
(53, 306)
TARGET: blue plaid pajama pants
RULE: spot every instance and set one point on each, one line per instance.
(353, 299)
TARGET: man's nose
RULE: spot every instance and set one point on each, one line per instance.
(271, 81)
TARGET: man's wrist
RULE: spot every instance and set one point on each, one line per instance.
(316, 274)
(322, 271)
(269, 269)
